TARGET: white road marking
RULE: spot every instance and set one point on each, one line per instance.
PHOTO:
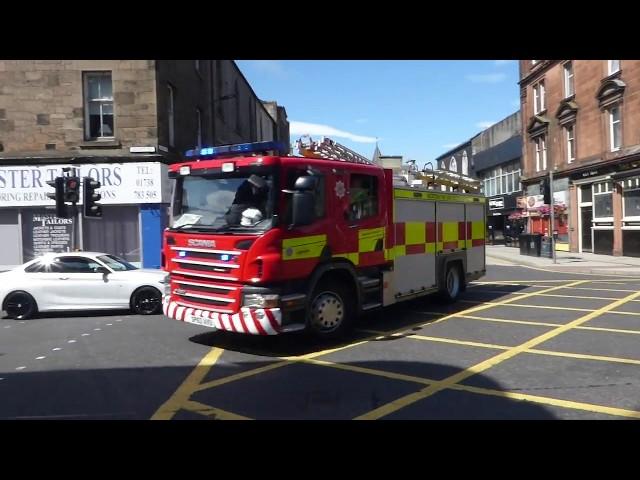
(109, 323)
(21, 368)
(119, 320)
(71, 341)
(86, 334)
(55, 349)
(8, 326)
(97, 329)
(40, 358)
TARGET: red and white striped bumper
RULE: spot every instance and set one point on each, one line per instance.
(253, 321)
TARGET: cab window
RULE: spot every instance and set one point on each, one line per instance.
(363, 197)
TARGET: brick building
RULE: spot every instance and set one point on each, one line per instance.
(122, 122)
(582, 118)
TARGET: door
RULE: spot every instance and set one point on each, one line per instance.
(586, 216)
(78, 286)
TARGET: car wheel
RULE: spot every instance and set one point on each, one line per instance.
(146, 301)
(331, 313)
(20, 305)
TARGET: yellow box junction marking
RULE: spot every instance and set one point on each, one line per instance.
(402, 402)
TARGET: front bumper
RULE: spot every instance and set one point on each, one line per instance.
(252, 321)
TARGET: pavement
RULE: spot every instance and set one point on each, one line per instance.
(566, 262)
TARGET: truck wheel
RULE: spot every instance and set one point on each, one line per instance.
(453, 283)
(332, 311)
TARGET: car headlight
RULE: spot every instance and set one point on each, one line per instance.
(256, 300)
(166, 281)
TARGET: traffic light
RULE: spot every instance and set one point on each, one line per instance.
(58, 196)
(71, 189)
(90, 197)
(545, 189)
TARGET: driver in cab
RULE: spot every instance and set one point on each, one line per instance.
(248, 207)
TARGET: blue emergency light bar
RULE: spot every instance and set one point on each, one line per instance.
(235, 149)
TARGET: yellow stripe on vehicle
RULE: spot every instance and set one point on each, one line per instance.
(477, 230)
(430, 247)
(414, 233)
(368, 238)
(303, 247)
(352, 257)
(450, 231)
(439, 197)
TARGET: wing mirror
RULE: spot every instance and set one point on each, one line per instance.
(103, 270)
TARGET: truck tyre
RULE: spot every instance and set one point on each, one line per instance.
(453, 283)
(331, 311)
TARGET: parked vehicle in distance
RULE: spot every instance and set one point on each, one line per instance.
(80, 281)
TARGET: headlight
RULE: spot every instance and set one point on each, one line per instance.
(166, 282)
(256, 300)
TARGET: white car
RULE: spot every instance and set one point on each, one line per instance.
(80, 281)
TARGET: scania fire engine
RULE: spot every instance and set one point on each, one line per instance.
(262, 243)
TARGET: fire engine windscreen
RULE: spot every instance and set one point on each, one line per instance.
(220, 202)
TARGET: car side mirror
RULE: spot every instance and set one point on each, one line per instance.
(102, 270)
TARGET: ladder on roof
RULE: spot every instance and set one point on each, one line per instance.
(431, 178)
(329, 149)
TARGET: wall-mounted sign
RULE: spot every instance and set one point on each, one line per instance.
(121, 183)
(535, 201)
(496, 203)
(521, 202)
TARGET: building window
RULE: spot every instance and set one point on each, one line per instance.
(538, 98)
(569, 132)
(603, 200)
(568, 80)
(631, 197)
(465, 163)
(98, 105)
(199, 128)
(614, 66)
(453, 165)
(171, 114)
(541, 153)
(502, 180)
(615, 129)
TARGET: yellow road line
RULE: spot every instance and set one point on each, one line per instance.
(184, 391)
(495, 304)
(502, 320)
(545, 324)
(192, 383)
(209, 411)
(583, 356)
(448, 340)
(489, 363)
(590, 407)
(552, 353)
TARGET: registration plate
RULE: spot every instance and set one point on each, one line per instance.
(206, 322)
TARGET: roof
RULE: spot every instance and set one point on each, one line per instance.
(464, 144)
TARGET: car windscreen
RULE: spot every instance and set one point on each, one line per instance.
(116, 263)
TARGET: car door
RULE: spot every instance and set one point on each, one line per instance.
(80, 286)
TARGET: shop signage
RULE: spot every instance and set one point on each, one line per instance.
(521, 202)
(535, 201)
(496, 203)
(122, 183)
(44, 232)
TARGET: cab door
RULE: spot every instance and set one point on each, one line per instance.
(359, 213)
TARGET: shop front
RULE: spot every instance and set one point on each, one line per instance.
(504, 222)
(539, 213)
(135, 198)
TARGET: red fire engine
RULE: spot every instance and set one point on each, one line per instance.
(261, 243)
